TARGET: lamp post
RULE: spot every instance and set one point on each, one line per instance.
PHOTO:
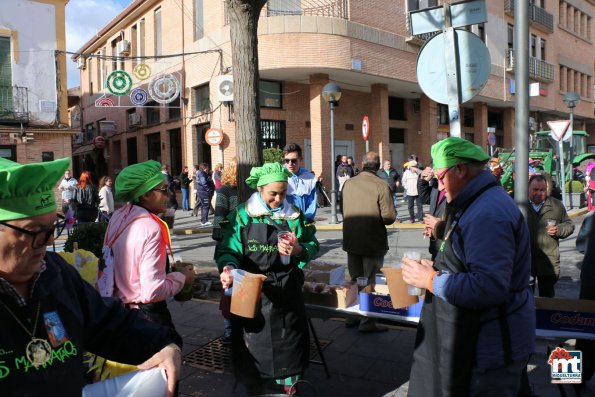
(332, 93)
(572, 99)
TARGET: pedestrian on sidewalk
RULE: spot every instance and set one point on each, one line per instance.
(68, 188)
(367, 207)
(227, 201)
(204, 191)
(389, 175)
(409, 180)
(477, 326)
(37, 286)
(301, 189)
(86, 198)
(106, 199)
(185, 180)
(275, 344)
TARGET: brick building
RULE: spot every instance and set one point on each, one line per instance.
(364, 46)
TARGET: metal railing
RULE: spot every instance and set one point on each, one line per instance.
(538, 69)
(321, 8)
(537, 15)
(14, 104)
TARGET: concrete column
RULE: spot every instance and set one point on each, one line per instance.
(509, 132)
(320, 130)
(563, 14)
(379, 137)
(428, 113)
(563, 78)
(480, 125)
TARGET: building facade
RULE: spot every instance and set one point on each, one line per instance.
(175, 62)
(34, 123)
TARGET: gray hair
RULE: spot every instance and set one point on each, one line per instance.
(371, 161)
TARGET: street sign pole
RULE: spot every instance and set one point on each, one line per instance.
(559, 130)
(451, 59)
(561, 172)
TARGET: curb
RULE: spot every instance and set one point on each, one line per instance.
(579, 212)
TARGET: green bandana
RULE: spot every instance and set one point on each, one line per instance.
(452, 151)
(137, 179)
(269, 172)
(27, 190)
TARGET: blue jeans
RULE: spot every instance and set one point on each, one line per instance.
(185, 202)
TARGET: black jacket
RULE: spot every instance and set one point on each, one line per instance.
(392, 177)
(85, 322)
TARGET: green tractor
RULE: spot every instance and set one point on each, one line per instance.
(545, 153)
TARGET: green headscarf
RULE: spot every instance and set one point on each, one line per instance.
(137, 179)
(27, 190)
(269, 172)
(452, 151)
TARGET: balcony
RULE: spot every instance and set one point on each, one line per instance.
(538, 17)
(538, 69)
(14, 105)
(320, 8)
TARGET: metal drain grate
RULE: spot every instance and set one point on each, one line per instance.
(216, 357)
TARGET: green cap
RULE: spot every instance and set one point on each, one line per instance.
(137, 179)
(28, 189)
(269, 172)
(452, 151)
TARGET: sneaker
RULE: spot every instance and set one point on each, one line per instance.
(206, 224)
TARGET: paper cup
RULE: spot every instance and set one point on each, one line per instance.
(245, 293)
(150, 383)
(285, 259)
(399, 295)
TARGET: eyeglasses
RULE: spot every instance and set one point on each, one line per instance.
(41, 237)
(163, 189)
(441, 175)
(292, 161)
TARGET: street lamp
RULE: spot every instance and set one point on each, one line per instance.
(332, 93)
(572, 99)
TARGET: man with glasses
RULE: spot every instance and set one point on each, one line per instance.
(301, 189)
(68, 189)
(479, 310)
(37, 286)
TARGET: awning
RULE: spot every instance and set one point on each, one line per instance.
(83, 150)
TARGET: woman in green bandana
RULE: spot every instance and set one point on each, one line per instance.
(274, 344)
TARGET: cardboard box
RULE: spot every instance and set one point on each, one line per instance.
(328, 273)
(340, 298)
(377, 300)
(573, 315)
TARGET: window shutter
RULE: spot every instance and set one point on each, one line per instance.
(5, 76)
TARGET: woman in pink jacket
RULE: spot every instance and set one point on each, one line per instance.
(140, 243)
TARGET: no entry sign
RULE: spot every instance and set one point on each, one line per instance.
(366, 128)
(214, 136)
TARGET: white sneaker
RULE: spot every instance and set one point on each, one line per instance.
(206, 224)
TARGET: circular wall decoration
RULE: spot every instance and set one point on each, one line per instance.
(142, 71)
(104, 102)
(164, 88)
(119, 82)
(139, 96)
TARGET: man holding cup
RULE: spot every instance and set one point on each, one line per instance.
(367, 207)
(548, 223)
(477, 328)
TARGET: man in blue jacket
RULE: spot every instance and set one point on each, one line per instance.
(477, 328)
(301, 189)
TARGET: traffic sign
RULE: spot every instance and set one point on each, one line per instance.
(366, 128)
(214, 136)
(559, 128)
(99, 142)
(491, 138)
(464, 13)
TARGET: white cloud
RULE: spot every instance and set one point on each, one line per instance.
(84, 18)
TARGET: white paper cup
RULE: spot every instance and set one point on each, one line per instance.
(285, 259)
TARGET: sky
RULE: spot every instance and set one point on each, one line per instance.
(84, 18)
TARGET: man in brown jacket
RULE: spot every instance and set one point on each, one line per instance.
(548, 223)
(367, 207)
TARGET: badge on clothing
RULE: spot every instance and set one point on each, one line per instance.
(55, 329)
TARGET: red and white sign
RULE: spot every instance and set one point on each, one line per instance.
(214, 136)
(559, 128)
(366, 128)
(99, 142)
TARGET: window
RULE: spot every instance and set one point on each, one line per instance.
(154, 147)
(270, 94)
(198, 19)
(115, 54)
(153, 111)
(200, 99)
(157, 30)
(8, 152)
(542, 48)
(413, 5)
(89, 131)
(273, 133)
(396, 108)
(470, 136)
(5, 76)
(90, 74)
(175, 151)
(442, 114)
(468, 117)
(141, 38)
(510, 37)
(133, 43)
(495, 120)
(396, 135)
(534, 46)
(47, 156)
(131, 151)
(173, 109)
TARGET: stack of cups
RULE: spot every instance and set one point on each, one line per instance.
(415, 256)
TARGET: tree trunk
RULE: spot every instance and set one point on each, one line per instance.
(243, 21)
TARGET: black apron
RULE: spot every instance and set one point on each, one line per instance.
(274, 344)
(445, 345)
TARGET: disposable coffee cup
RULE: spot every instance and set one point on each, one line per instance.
(245, 297)
(285, 259)
(551, 222)
(416, 256)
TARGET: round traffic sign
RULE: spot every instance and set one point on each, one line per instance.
(491, 138)
(214, 136)
(474, 66)
(99, 142)
(365, 128)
